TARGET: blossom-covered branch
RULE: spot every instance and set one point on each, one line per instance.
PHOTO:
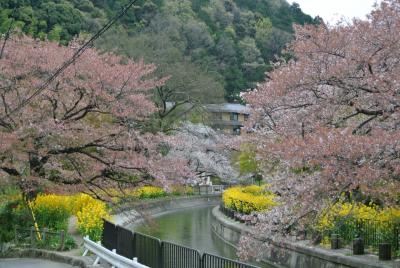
(331, 116)
(83, 129)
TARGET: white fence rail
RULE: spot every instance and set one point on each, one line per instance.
(110, 256)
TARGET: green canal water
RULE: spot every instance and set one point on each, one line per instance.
(190, 228)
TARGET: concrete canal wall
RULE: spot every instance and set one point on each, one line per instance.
(295, 255)
(285, 254)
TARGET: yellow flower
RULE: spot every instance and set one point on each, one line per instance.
(90, 212)
(149, 192)
(382, 217)
(248, 199)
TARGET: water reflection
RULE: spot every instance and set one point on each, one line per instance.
(191, 228)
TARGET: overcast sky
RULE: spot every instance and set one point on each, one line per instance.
(332, 10)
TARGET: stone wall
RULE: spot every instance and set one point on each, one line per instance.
(296, 255)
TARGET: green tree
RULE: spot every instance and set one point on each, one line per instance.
(55, 33)
(208, 35)
(248, 163)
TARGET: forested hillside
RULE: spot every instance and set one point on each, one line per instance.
(212, 49)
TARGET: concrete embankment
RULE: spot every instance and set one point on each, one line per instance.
(295, 255)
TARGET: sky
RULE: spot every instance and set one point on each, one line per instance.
(332, 10)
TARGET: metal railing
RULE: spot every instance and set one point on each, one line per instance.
(213, 261)
(54, 240)
(147, 249)
(153, 252)
(187, 257)
(210, 189)
(237, 216)
(371, 231)
(230, 213)
(110, 256)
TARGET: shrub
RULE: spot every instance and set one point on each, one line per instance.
(149, 192)
(77, 202)
(356, 211)
(248, 199)
(348, 219)
(90, 216)
(182, 190)
(254, 190)
(12, 214)
(52, 211)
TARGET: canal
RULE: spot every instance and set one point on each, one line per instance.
(190, 228)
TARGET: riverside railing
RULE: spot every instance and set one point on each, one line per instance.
(153, 252)
(54, 240)
(109, 256)
(372, 232)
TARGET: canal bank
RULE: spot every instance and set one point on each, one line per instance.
(180, 219)
(185, 221)
(295, 255)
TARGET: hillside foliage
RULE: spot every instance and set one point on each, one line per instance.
(212, 49)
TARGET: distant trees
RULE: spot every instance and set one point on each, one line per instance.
(84, 129)
(41, 17)
(205, 37)
(208, 152)
(330, 119)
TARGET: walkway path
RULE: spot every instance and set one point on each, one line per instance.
(31, 263)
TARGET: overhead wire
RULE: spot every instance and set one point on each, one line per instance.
(74, 57)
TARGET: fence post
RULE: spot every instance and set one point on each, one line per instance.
(385, 251)
(45, 230)
(396, 236)
(358, 246)
(62, 240)
(32, 235)
(201, 261)
(335, 244)
(160, 255)
(15, 235)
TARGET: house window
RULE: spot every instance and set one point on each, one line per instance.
(246, 117)
(234, 117)
(236, 130)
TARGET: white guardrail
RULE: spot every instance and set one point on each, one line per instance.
(110, 256)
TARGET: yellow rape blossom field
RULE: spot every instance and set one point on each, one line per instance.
(350, 219)
(149, 192)
(53, 211)
(249, 199)
(357, 211)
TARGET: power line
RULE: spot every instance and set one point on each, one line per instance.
(74, 57)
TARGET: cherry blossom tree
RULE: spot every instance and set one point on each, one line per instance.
(331, 117)
(209, 153)
(82, 132)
